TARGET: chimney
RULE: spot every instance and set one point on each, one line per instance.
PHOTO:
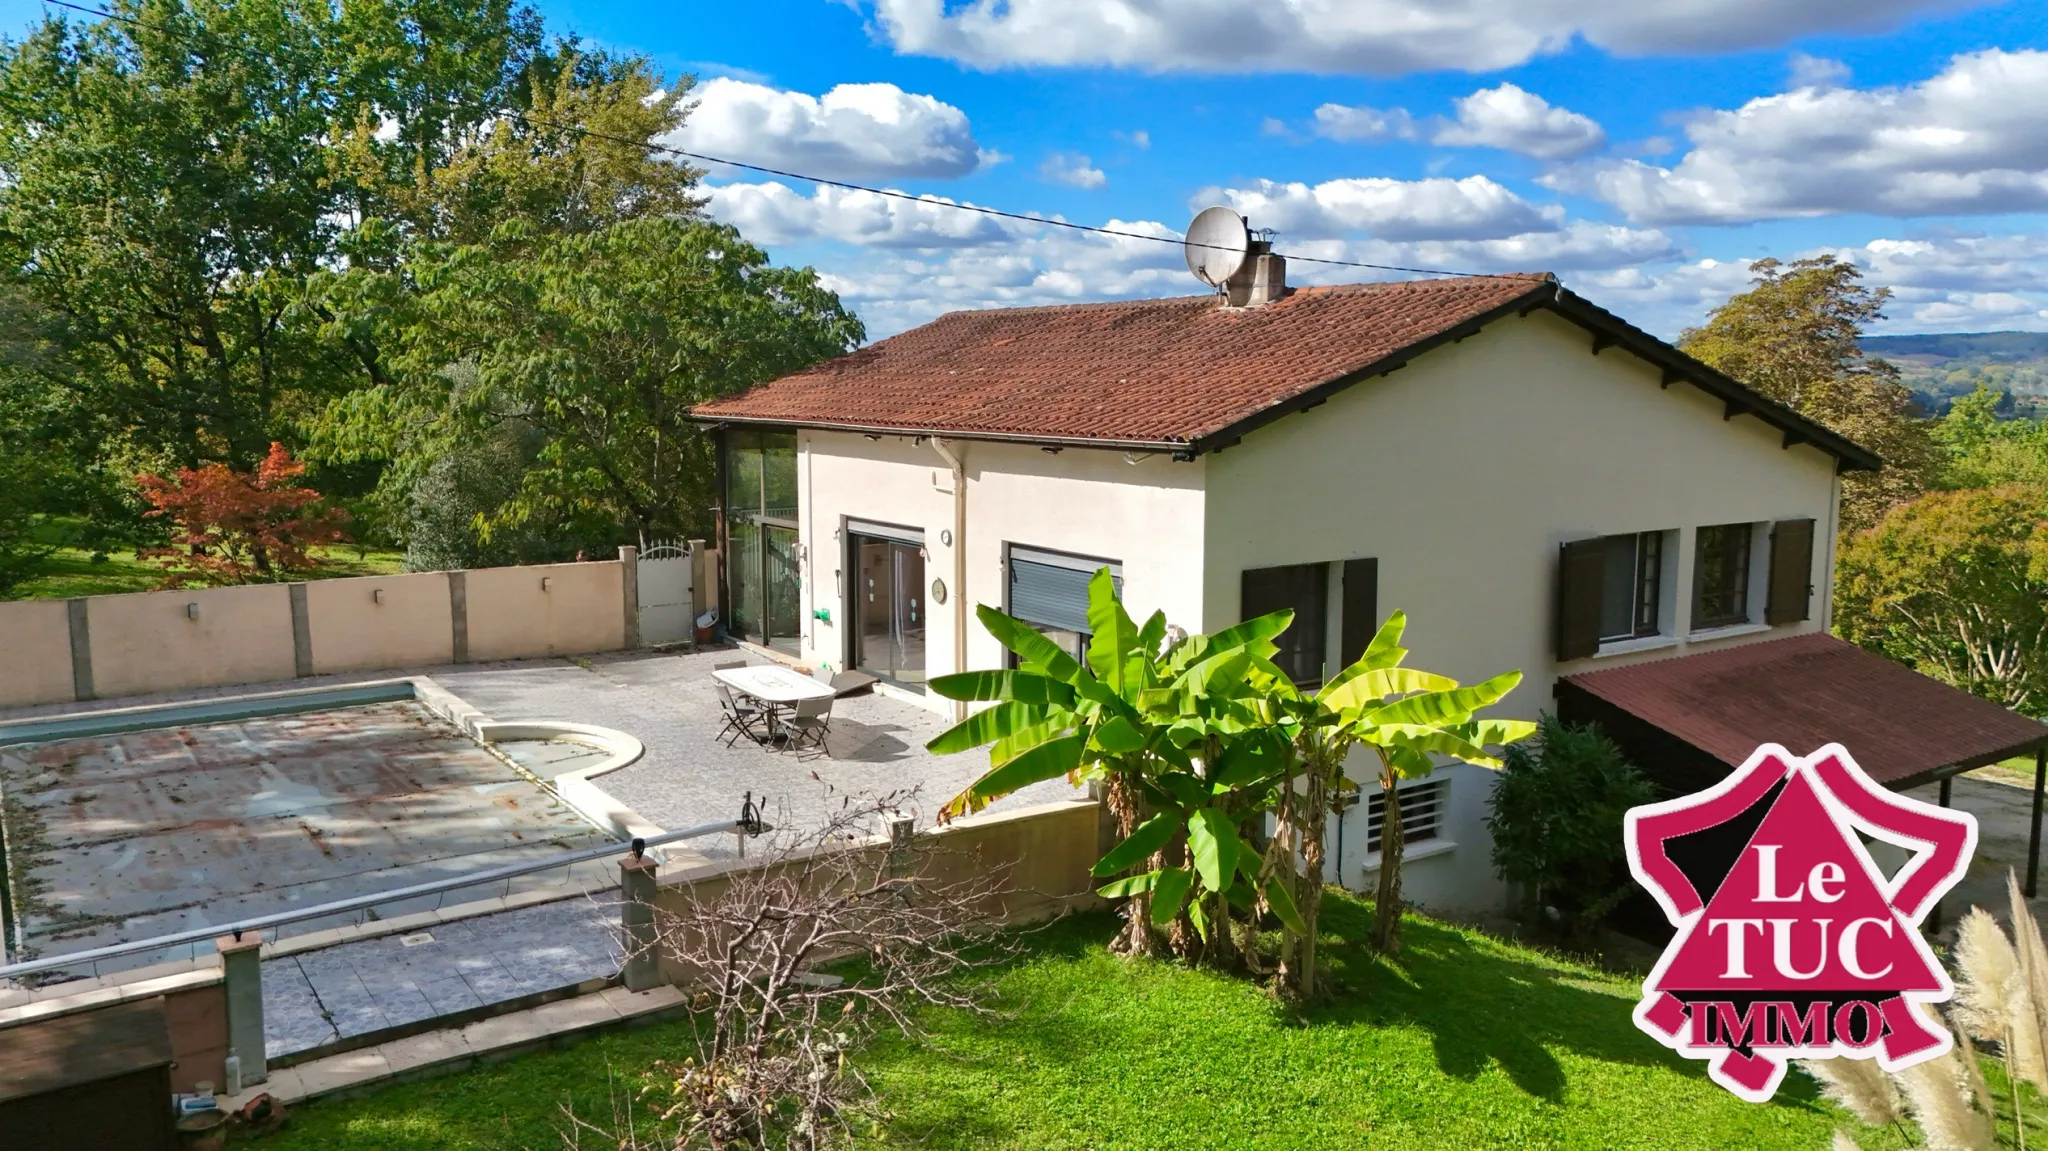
(1262, 279)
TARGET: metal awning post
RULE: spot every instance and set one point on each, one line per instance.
(1934, 917)
(2034, 836)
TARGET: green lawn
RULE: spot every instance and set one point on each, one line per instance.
(1465, 1042)
(73, 572)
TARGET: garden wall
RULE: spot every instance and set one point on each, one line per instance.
(1047, 848)
(102, 647)
(35, 652)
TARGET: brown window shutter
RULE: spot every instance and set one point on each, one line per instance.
(1262, 591)
(1304, 588)
(1581, 568)
(1361, 609)
(1791, 572)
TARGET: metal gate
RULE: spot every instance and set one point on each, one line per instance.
(666, 603)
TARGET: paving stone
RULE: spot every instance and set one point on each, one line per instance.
(341, 1072)
(416, 1052)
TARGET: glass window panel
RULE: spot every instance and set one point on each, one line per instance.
(1723, 580)
(909, 613)
(1618, 589)
(748, 596)
(743, 473)
(783, 596)
(778, 463)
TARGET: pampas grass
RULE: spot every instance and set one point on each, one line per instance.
(1940, 1103)
(1986, 966)
(1860, 1086)
(2032, 961)
(1843, 1141)
(1974, 1073)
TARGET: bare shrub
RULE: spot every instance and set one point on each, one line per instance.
(904, 920)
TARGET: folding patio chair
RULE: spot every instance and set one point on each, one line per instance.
(810, 725)
(741, 716)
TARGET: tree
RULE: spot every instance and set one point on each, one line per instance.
(1794, 338)
(1555, 818)
(231, 527)
(166, 189)
(174, 179)
(1986, 450)
(1955, 585)
(598, 342)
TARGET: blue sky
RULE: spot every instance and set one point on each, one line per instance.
(1645, 150)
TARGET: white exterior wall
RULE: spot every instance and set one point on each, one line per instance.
(1147, 515)
(1462, 474)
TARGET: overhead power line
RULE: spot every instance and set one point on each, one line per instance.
(890, 193)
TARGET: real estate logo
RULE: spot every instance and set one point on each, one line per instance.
(1792, 943)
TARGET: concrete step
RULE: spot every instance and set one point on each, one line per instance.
(451, 1050)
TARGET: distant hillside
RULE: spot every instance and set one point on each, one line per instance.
(1943, 365)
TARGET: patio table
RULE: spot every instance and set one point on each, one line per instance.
(777, 686)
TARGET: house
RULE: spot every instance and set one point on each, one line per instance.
(1538, 484)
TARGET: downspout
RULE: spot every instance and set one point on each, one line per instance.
(954, 460)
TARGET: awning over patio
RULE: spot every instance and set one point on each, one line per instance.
(1686, 721)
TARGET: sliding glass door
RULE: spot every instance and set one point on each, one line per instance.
(888, 603)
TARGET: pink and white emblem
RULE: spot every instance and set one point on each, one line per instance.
(1791, 942)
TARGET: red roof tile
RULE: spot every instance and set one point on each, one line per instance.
(1137, 371)
(1811, 690)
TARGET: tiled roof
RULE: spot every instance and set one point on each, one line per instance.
(1134, 371)
(1810, 690)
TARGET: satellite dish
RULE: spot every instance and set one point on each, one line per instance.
(1217, 245)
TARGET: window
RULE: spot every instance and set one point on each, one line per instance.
(1630, 586)
(1422, 809)
(1609, 588)
(761, 537)
(1721, 576)
(1049, 591)
(1304, 588)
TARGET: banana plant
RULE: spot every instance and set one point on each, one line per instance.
(1408, 718)
(1168, 727)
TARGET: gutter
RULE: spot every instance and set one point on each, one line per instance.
(1175, 447)
(951, 453)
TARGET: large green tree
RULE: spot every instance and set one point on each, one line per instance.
(165, 190)
(1984, 449)
(1955, 584)
(597, 343)
(175, 182)
(1794, 337)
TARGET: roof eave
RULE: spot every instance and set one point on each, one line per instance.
(1177, 447)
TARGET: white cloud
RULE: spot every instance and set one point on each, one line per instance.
(1511, 119)
(1972, 139)
(854, 131)
(1383, 37)
(1473, 208)
(1140, 139)
(900, 262)
(771, 213)
(1804, 71)
(1073, 171)
(1363, 125)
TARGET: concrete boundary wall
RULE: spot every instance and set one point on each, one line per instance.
(106, 647)
(35, 652)
(1048, 849)
(556, 609)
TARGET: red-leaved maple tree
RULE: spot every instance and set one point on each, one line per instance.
(230, 527)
